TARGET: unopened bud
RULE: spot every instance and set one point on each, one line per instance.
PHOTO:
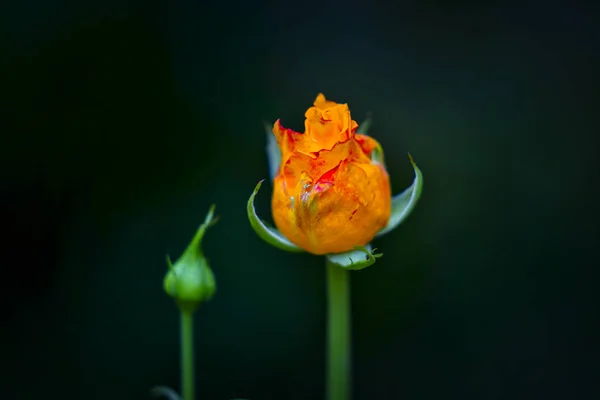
(190, 280)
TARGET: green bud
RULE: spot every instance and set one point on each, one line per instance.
(189, 280)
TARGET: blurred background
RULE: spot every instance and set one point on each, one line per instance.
(123, 121)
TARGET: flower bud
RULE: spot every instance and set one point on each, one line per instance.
(331, 189)
(330, 194)
(190, 280)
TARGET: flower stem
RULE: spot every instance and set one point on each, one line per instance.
(339, 380)
(187, 355)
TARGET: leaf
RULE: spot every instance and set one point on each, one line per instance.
(273, 153)
(359, 258)
(267, 233)
(405, 202)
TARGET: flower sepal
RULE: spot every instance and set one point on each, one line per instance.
(404, 203)
(267, 233)
(273, 152)
(359, 258)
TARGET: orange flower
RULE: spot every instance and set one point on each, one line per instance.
(330, 194)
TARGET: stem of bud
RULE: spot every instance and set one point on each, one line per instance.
(187, 355)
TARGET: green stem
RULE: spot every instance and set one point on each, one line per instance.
(339, 363)
(187, 355)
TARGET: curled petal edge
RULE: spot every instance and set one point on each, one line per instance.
(377, 154)
(359, 258)
(268, 233)
(274, 154)
(404, 203)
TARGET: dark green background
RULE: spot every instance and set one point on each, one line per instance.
(122, 122)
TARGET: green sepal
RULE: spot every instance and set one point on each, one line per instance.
(405, 202)
(363, 129)
(273, 152)
(359, 258)
(268, 233)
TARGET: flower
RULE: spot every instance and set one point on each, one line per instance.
(331, 194)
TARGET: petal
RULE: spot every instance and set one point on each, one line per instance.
(359, 258)
(326, 124)
(371, 148)
(273, 152)
(287, 139)
(405, 202)
(267, 233)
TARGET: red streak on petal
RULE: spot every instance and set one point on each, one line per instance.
(326, 180)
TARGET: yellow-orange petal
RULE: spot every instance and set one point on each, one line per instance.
(326, 124)
(316, 165)
(287, 139)
(353, 207)
(367, 143)
(329, 196)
